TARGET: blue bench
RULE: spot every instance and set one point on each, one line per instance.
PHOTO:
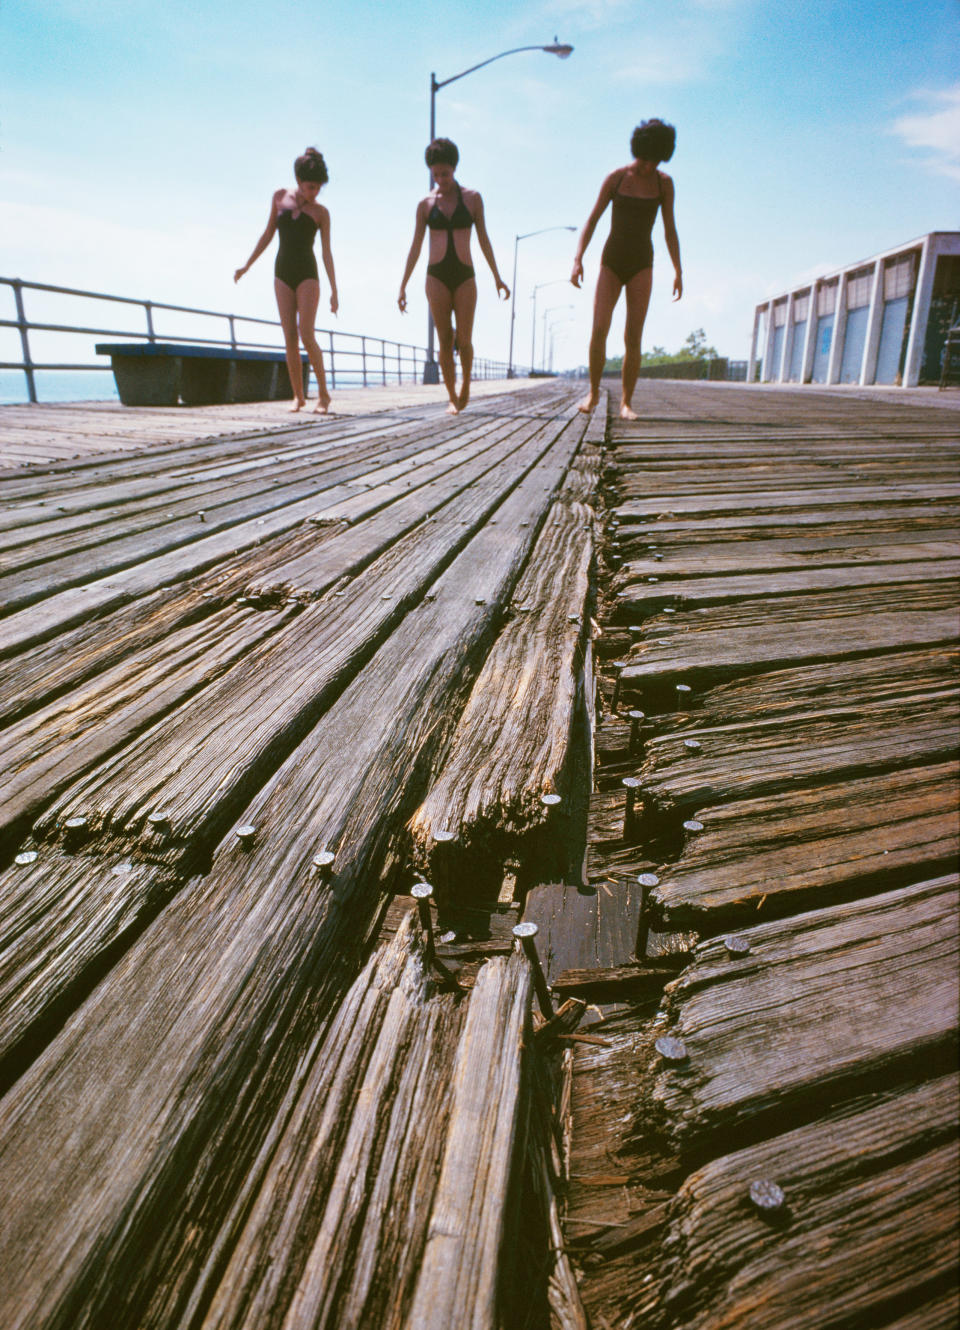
(165, 373)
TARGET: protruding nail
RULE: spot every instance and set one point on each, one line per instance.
(692, 824)
(631, 784)
(737, 945)
(693, 744)
(246, 834)
(550, 800)
(158, 820)
(525, 934)
(25, 857)
(682, 693)
(766, 1195)
(323, 862)
(636, 720)
(648, 880)
(670, 1049)
(619, 666)
(421, 893)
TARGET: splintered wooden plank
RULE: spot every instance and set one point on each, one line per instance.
(693, 562)
(818, 499)
(195, 764)
(648, 596)
(867, 1235)
(838, 687)
(512, 745)
(51, 746)
(811, 846)
(59, 916)
(125, 1146)
(861, 520)
(741, 761)
(710, 644)
(853, 997)
(460, 1272)
(335, 1234)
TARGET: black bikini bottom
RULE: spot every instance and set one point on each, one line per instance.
(450, 270)
(292, 269)
(625, 259)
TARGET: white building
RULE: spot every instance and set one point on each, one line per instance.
(882, 320)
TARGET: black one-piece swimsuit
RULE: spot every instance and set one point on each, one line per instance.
(451, 270)
(629, 247)
(296, 261)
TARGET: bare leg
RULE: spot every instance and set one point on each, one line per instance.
(287, 305)
(638, 299)
(607, 295)
(308, 297)
(441, 307)
(465, 306)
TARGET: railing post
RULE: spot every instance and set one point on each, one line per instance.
(24, 340)
(383, 360)
(151, 335)
(333, 363)
(363, 356)
(233, 333)
(399, 364)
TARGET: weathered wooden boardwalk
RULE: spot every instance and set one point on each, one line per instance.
(681, 692)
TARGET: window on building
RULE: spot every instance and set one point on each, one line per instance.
(801, 307)
(858, 287)
(827, 299)
(898, 276)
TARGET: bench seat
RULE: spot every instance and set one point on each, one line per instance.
(165, 373)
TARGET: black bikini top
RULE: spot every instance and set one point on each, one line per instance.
(458, 220)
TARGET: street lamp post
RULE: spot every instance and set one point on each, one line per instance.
(557, 323)
(543, 338)
(560, 281)
(431, 370)
(513, 288)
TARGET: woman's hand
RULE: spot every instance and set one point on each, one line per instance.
(240, 271)
(402, 301)
(503, 291)
(576, 277)
(334, 302)
(678, 286)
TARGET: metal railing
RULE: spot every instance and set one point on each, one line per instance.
(356, 359)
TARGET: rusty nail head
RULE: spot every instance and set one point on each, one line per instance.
(692, 824)
(324, 859)
(27, 857)
(631, 783)
(693, 744)
(421, 891)
(766, 1195)
(670, 1049)
(648, 880)
(737, 945)
(246, 832)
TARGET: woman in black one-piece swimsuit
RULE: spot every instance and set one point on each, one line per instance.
(637, 192)
(297, 217)
(451, 282)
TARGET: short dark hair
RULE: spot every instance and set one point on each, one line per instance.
(654, 141)
(312, 167)
(442, 150)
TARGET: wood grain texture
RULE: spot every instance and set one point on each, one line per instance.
(864, 995)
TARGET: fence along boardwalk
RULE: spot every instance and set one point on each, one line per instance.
(225, 1106)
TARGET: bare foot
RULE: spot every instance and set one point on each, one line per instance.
(453, 409)
(322, 406)
(589, 403)
(463, 397)
(627, 412)
(298, 404)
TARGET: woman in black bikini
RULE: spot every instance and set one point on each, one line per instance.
(297, 216)
(637, 191)
(449, 212)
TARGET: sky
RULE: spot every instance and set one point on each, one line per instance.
(140, 144)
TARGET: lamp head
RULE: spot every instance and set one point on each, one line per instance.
(559, 48)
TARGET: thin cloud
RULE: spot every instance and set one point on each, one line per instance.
(935, 130)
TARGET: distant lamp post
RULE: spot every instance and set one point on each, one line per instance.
(431, 370)
(557, 323)
(513, 288)
(543, 339)
(559, 281)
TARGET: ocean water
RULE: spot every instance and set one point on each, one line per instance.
(59, 386)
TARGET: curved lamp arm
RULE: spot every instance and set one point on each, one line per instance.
(555, 48)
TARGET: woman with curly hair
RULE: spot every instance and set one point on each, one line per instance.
(297, 216)
(637, 192)
(449, 212)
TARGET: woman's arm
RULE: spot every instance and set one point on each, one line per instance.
(486, 249)
(265, 239)
(607, 191)
(327, 254)
(419, 230)
(670, 235)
